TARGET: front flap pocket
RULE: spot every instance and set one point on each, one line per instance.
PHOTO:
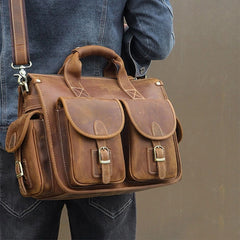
(153, 149)
(89, 131)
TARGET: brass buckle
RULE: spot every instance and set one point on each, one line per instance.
(100, 156)
(155, 154)
(19, 164)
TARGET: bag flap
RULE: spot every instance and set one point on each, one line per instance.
(17, 131)
(94, 118)
(154, 119)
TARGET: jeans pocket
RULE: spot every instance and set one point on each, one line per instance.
(10, 197)
(113, 206)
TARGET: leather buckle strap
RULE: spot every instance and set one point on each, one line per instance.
(19, 32)
(159, 152)
(104, 160)
(159, 158)
(104, 153)
(20, 50)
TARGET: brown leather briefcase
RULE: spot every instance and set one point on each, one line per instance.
(79, 136)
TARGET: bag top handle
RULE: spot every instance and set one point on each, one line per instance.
(73, 67)
(18, 23)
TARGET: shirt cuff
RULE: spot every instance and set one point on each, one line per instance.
(135, 66)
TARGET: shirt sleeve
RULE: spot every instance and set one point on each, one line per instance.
(149, 36)
(0, 36)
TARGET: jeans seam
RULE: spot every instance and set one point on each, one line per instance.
(139, 22)
(165, 4)
(1, 66)
(103, 19)
(110, 214)
(24, 212)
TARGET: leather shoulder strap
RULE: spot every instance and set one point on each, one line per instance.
(19, 32)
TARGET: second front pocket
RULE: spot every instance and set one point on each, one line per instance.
(151, 143)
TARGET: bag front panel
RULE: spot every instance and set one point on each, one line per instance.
(75, 148)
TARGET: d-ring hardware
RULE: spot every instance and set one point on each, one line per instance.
(19, 164)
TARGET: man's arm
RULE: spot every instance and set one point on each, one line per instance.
(150, 34)
(0, 35)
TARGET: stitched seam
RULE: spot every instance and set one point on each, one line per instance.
(23, 213)
(49, 159)
(2, 81)
(49, 138)
(110, 214)
(61, 144)
(38, 105)
(166, 5)
(32, 107)
(133, 94)
(139, 22)
(103, 19)
(62, 152)
(23, 31)
(81, 93)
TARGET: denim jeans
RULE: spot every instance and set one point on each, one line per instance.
(112, 218)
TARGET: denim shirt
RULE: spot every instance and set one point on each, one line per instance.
(55, 27)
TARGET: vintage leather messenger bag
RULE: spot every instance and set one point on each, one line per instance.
(79, 136)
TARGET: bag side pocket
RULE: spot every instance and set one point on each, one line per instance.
(27, 138)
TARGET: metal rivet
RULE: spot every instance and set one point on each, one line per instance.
(158, 83)
(142, 70)
(38, 80)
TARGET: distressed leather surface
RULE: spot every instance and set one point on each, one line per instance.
(19, 32)
(144, 113)
(17, 131)
(83, 113)
(96, 136)
(91, 124)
